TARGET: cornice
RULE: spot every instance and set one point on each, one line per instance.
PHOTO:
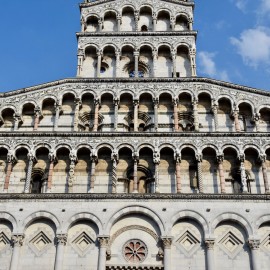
(137, 34)
(99, 2)
(136, 197)
(137, 80)
(105, 134)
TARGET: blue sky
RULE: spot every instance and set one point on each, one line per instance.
(38, 42)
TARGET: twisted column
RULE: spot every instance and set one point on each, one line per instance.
(97, 104)
(236, 121)
(167, 243)
(60, 250)
(155, 58)
(220, 160)
(52, 159)
(71, 173)
(199, 168)
(215, 112)
(78, 104)
(175, 114)
(136, 105)
(115, 159)
(80, 61)
(116, 107)
(103, 245)
(137, 17)
(264, 171)
(192, 55)
(195, 115)
(17, 242)
(57, 108)
(37, 112)
(154, 21)
(156, 102)
(135, 173)
(31, 159)
(243, 173)
(210, 255)
(178, 172)
(254, 245)
(156, 160)
(94, 160)
(10, 161)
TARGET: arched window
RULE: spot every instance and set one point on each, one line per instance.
(144, 28)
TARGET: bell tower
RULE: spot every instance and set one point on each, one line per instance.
(137, 39)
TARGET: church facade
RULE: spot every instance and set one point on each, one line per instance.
(136, 163)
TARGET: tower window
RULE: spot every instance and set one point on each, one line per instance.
(144, 28)
(102, 70)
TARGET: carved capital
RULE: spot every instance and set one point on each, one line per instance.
(209, 243)
(104, 241)
(96, 101)
(254, 244)
(262, 158)
(156, 157)
(220, 159)
(167, 242)
(17, 240)
(135, 102)
(61, 239)
(11, 158)
(198, 157)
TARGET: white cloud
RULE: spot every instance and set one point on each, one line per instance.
(254, 46)
(241, 4)
(208, 66)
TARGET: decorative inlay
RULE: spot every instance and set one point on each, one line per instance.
(40, 243)
(135, 251)
(265, 244)
(82, 243)
(231, 244)
(4, 241)
(188, 243)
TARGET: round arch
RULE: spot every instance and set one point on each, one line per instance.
(8, 217)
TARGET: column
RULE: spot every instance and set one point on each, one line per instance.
(175, 114)
(135, 121)
(156, 160)
(97, 104)
(10, 162)
(136, 68)
(73, 160)
(154, 22)
(76, 114)
(190, 24)
(99, 55)
(243, 173)
(103, 245)
(17, 242)
(178, 172)
(135, 173)
(173, 54)
(80, 61)
(60, 251)
(156, 102)
(57, 108)
(264, 171)
(254, 245)
(119, 18)
(83, 25)
(115, 160)
(100, 24)
(52, 159)
(116, 105)
(236, 121)
(167, 243)
(215, 112)
(136, 16)
(155, 58)
(94, 160)
(210, 256)
(17, 120)
(37, 112)
(31, 159)
(196, 116)
(199, 169)
(256, 119)
(117, 64)
(172, 23)
(220, 160)
(192, 55)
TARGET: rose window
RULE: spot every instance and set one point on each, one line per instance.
(135, 251)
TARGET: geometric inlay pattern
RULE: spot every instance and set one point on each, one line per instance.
(188, 243)
(135, 251)
(231, 244)
(265, 244)
(82, 243)
(40, 243)
(4, 242)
